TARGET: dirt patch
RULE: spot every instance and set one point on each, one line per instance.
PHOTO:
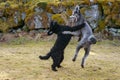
(21, 62)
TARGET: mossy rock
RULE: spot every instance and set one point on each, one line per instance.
(69, 12)
(1, 12)
(106, 10)
(28, 10)
(3, 26)
(108, 18)
(101, 26)
(30, 20)
(44, 19)
(42, 5)
(118, 22)
(115, 8)
(48, 8)
(82, 10)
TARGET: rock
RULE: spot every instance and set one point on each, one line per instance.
(114, 31)
(92, 15)
(1, 12)
(38, 10)
(23, 15)
(37, 21)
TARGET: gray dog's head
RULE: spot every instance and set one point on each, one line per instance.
(76, 18)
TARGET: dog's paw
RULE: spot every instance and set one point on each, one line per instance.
(43, 57)
(54, 69)
(59, 66)
(73, 59)
(82, 66)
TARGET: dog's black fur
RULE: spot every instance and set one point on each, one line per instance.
(57, 51)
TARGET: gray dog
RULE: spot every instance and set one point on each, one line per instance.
(87, 37)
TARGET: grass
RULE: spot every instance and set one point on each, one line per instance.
(21, 62)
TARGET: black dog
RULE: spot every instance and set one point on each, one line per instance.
(57, 51)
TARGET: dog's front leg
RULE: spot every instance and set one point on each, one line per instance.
(69, 32)
(87, 50)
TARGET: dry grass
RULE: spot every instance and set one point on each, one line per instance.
(21, 62)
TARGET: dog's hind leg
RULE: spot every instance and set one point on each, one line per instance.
(56, 58)
(87, 50)
(76, 52)
(80, 45)
(53, 66)
(61, 59)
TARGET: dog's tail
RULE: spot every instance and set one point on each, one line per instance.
(46, 57)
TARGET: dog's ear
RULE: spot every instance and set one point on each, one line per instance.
(76, 10)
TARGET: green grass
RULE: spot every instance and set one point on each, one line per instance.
(21, 62)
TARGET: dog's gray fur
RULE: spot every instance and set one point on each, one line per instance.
(87, 37)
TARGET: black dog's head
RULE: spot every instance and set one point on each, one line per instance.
(53, 27)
